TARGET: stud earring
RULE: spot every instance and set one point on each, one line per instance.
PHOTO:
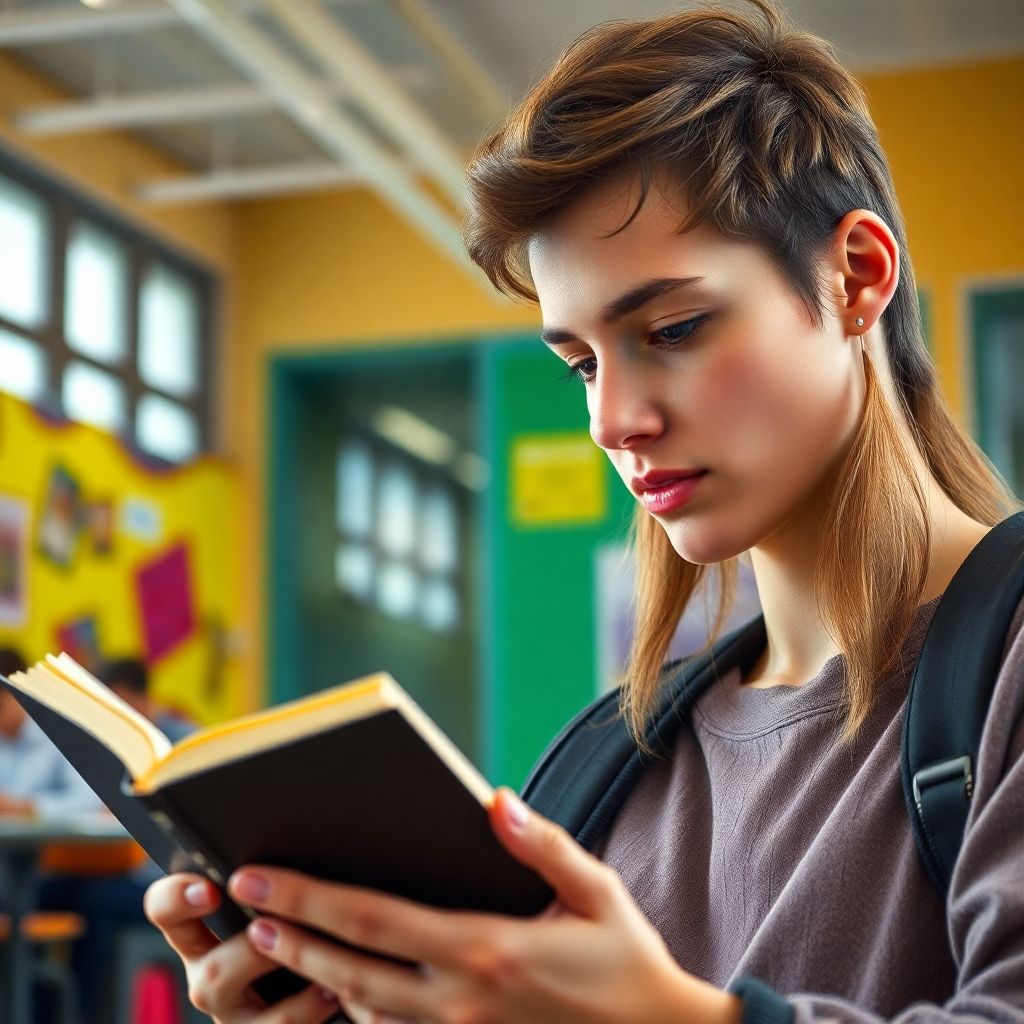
(860, 321)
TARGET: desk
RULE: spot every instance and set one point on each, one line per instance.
(20, 842)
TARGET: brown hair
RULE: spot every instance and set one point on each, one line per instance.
(770, 140)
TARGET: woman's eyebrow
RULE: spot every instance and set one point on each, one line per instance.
(642, 294)
(624, 304)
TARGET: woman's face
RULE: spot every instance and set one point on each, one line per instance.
(697, 357)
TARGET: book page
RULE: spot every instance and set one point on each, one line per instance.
(63, 685)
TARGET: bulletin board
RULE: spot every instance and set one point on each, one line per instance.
(104, 556)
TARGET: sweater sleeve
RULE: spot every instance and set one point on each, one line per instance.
(985, 906)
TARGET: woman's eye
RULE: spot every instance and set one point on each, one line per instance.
(585, 370)
(675, 333)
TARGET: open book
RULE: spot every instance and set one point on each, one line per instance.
(355, 784)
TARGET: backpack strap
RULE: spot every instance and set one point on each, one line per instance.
(950, 693)
(585, 775)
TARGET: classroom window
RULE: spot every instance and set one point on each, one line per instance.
(169, 332)
(94, 396)
(22, 367)
(166, 429)
(24, 256)
(96, 295)
(398, 536)
(101, 323)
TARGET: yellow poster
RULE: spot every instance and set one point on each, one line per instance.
(557, 480)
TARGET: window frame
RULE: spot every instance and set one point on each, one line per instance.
(424, 474)
(66, 205)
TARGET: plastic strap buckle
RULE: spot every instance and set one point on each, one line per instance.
(943, 772)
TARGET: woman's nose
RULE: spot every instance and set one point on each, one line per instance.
(623, 408)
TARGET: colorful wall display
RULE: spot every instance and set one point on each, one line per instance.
(103, 556)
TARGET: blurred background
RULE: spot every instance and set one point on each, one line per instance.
(263, 428)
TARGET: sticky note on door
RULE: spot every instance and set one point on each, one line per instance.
(557, 480)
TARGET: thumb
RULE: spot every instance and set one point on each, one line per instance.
(582, 883)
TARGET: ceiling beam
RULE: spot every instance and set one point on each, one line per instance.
(170, 106)
(368, 84)
(54, 25)
(340, 135)
(76, 21)
(143, 109)
(250, 182)
(490, 101)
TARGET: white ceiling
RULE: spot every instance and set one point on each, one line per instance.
(315, 93)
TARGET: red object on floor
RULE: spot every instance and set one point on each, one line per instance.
(155, 997)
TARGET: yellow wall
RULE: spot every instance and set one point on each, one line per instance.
(955, 140)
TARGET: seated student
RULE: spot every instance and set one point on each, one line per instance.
(129, 679)
(35, 777)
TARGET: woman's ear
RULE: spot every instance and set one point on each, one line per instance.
(866, 269)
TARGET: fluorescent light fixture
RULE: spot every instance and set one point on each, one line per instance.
(98, 4)
(415, 435)
(471, 471)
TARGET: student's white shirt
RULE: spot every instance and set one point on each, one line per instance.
(32, 768)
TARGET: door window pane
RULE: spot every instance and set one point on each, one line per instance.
(24, 255)
(95, 307)
(93, 396)
(440, 540)
(165, 429)
(22, 367)
(169, 332)
(353, 570)
(354, 502)
(439, 606)
(396, 589)
(396, 522)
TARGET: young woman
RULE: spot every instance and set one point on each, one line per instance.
(702, 209)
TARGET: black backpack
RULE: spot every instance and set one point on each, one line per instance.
(589, 769)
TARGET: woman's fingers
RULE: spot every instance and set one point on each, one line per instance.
(357, 979)
(219, 982)
(176, 905)
(219, 973)
(310, 1006)
(365, 918)
(582, 883)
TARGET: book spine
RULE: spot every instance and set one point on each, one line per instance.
(196, 855)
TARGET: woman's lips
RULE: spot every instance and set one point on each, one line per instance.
(671, 494)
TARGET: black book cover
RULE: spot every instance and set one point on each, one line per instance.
(366, 803)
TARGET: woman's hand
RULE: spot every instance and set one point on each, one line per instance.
(592, 957)
(220, 973)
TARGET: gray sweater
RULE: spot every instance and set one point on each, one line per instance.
(764, 849)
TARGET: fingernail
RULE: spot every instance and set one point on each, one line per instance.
(198, 895)
(328, 995)
(517, 812)
(250, 887)
(263, 935)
